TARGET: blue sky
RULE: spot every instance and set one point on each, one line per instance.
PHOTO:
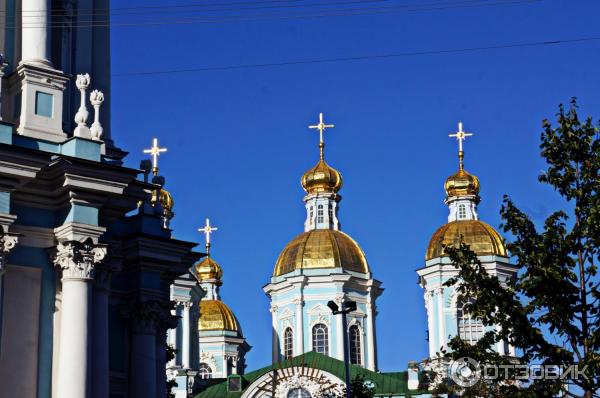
(238, 139)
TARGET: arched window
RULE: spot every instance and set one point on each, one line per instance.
(320, 339)
(298, 393)
(330, 213)
(355, 345)
(462, 212)
(288, 343)
(204, 371)
(320, 214)
(469, 329)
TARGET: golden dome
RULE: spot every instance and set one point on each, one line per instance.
(322, 178)
(166, 200)
(462, 183)
(321, 248)
(215, 315)
(208, 268)
(481, 237)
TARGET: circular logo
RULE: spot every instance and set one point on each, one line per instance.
(465, 372)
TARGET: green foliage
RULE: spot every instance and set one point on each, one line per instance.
(550, 311)
(359, 388)
(171, 384)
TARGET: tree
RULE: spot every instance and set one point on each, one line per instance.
(360, 388)
(171, 383)
(550, 311)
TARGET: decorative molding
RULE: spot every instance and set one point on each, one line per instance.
(7, 243)
(82, 82)
(78, 260)
(209, 359)
(96, 98)
(311, 385)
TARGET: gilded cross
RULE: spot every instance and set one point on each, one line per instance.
(207, 230)
(155, 152)
(321, 127)
(460, 136)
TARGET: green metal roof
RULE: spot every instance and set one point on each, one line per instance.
(386, 384)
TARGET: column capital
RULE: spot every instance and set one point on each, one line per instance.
(273, 309)
(7, 243)
(78, 260)
(298, 302)
(147, 317)
(339, 299)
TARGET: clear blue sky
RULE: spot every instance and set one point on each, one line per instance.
(238, 141)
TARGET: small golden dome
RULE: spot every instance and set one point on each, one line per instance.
(481, 237)
(461, 184)
(215, 315)
(322, 178)
(208, 268)
(166, 200)
(321, 248)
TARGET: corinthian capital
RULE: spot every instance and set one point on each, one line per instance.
(7, 243)
(78, 260)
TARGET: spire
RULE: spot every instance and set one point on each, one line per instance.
(207, 230)
(321, 126)
(462, 188)
(160, 195)
(208, 271)
(460, 137)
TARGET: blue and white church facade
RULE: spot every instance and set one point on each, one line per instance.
(319, 265)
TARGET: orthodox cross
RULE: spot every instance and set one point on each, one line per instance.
(207, 230)
(321, 126)
(155, 152)
(460, 137)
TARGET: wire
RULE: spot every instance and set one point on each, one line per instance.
(363, 57)
(281, 16)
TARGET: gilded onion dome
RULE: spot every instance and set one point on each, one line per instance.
(481, 238)
(461, 184)
(322, 178)
(208, 269)
(321, 248)
(215, 315)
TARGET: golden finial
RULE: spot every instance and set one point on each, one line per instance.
(155, 151)
(321, 127)
(460, 137)
(207, 230)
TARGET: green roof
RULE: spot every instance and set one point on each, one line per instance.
(385, 383)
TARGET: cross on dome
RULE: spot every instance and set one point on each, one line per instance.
(207, 230)
(155, 152)
(460, 137)
(321, 126)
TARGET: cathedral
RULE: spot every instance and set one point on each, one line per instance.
(98, 297)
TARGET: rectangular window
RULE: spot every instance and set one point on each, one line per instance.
(43, 104)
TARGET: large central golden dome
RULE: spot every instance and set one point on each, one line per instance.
(481, 237)
(321, 248)
(215, 315)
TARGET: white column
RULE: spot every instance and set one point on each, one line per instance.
(430, 322)
(224, 372)
(77, 262)
(100, 366)
(441, 323)
(275, 347)
(185, 349)
(35, 32)
(340, 330)
(173, 339)
(371, 336)
(299, 327)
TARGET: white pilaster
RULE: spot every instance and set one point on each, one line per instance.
(430, 322)
(275, 341)
(185, 349)
(100, 350)
(371, 365)
(441, 324)
(77, 262)
(339, 339)
(298, 302)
